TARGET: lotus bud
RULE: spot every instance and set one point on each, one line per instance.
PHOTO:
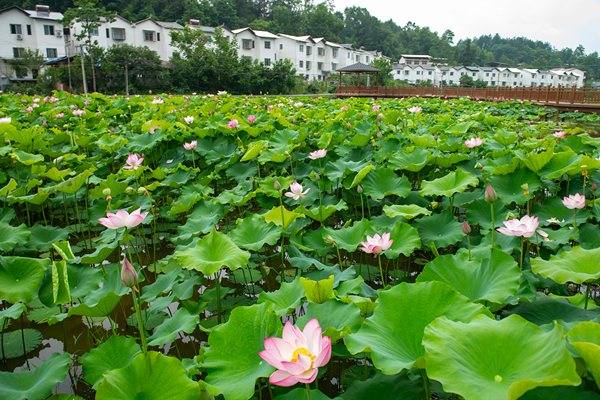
(525, 188)
(128, 273)
(129, 190)
(490, 194)
(466, 228)
(594, 186)
(359, 189)
(329, 240)
(143, 191)
(106, 192)
(434, 204)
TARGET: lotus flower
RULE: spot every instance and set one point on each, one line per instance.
(191, 145)
(559, 134)
(29, 109)
(466, 228)
(78, 112)
(489, 194)
(315, 155)
(128, 274)
(251, 118)
(5, 120)
(377, 244)
(60, 115)
(375, 108)
(157, 100)
(473, 142)
(189, 119)
(134, 161)
(297, 355)
(122, 219)
(415, 109)
(296, 192)
(574, 201)
(524, 227)
(233, 124)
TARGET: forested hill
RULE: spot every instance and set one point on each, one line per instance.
(355, 25)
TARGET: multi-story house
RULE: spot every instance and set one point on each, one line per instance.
(108, 34)
(38, 30)
(257, 45)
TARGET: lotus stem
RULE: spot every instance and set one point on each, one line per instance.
(218, 287)
(587, 296)
(380, 270)
(140, 321)
(308, 391)
(426, 387)
(469, 246)
(362, 206)
(493, 218)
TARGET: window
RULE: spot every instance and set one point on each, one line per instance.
(94, 31)
(320, 51)
(474, 74)
(308, 65)
(247, 44)
(267, 61)
(267, 44)
(487, 74)
(149, 36)
(334, 66)
(158, 36)
(49, 30)
(348, 57)
(301, 48)
(15, 29)
(107, 32)
(301, 64)
(29, 30)
(451, 73)
(308, 50)
(18, 52)
(444, 73)
(280, 46)
(118, 34)
(319, 66)
(335, 53)
(429, 73)
(368, 59)
(406, 72)
(357, 58)
(51, 53)
(418, 72)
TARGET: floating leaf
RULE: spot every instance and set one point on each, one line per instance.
(281, 216)
(168, 330)
(21, 277)
(13, 342)
(336, 319)
(252, 233)
(481, 356)
(384, 182)
(454, 182)
(11, 236)
(406, 211)
(350, 237)
(116, 352)
(284, 299)
(576, 265)
(441, 229)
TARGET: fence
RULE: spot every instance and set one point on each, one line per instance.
(538, 95)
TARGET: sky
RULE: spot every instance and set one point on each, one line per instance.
(562, 23)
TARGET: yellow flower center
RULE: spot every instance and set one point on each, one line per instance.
(305, 352)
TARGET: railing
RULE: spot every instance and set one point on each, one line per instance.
(537, 95)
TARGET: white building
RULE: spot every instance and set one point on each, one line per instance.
(257, 45)
(38, 30)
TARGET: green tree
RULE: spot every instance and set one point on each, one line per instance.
(384, 77)
(132, 69)
(466, 81)
(29, 60)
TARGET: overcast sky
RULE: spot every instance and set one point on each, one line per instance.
(563, 23)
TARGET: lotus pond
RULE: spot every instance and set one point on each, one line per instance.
(200, 247)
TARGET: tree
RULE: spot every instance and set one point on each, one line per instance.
(89, 15)
(384, 77)
(132, 69)
(466, 81)
(29, 60)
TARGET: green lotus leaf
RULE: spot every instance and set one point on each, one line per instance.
(9, 187)
(21, 277)
(36, 384)
(72, 185)
(163, 284)
(536, 161)
(337, 319)
(11, 236)
(560, 393)
(12, 312)
(201, 220)
(546, 310)
(318, 291)
(254, 149)
(384, 182)
(322, 213)
(252, 233)
(168, 330)
(350, 237)
(27, 158)
(360, 175)
(61, 291)
(12, 346)
(511, 187)
(100, 305)
(385, 387)
(441, 229)
(281, 216)
(116, 352)
(406, 211)
(494, 278)
(414, 161)
(392, 335)
(562, 163)
(150, 376)
(284, 299)
(481, 356)
(585, 339)
(406, 240)
(576, 265)
(211, 253)
(231, 360)
(454, 182)
(63, 248)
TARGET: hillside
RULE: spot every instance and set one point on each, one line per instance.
(355, 25)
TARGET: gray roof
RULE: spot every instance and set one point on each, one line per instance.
(169, 25)
(358, 67)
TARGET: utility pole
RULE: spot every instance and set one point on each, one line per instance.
(85, 88)
(127, 79)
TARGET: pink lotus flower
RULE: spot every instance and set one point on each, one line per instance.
(122, 219)
(315, 155)
(574, 201)
(559, 134)
(134, 161)
(296, 192)
(524, 227)
(191, 145)
(129, 275)
(60, 115)
(233, 124)
(297, 355)
(251, 118)
(377, 244)
(415, 109)
(157, 100)
(543, 235)
(78, 112)
(5, 120)
(188, 120)
(473, 142)
(375, 108)
(29, 109)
